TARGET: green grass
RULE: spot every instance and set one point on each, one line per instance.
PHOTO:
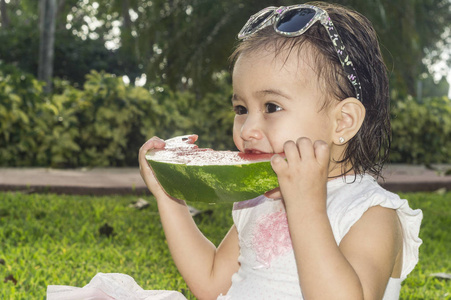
(52, 239)
(435, 253)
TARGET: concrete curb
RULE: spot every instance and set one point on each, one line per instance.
(122, 181)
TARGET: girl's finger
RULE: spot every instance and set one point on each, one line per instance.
(274, 194)
(305, 148)
(291, 152)
(278, 163)
(322, 152)
(153, 143)
(192, 138)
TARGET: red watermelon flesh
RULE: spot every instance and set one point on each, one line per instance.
(181, 150)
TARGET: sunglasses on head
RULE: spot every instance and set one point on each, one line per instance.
(293, 21)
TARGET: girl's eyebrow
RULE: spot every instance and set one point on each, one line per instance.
(272, 92)
(263, 93)
(235, 97)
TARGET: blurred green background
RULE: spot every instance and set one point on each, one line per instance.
(123, 71)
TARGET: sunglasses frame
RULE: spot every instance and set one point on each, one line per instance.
(320, 15)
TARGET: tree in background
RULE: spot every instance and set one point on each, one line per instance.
(4, 14)
(408, 30)
(180, 40)
(75, 55)
(47, 15)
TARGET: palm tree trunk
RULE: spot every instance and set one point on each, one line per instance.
(47, 9)
(4, 13)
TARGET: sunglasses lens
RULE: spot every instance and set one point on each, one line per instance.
(294, 20)
(257, 21)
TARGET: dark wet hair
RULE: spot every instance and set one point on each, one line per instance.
(368, 150)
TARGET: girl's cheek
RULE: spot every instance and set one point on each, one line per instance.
(238, 144)
(237, 134)
(237, 125)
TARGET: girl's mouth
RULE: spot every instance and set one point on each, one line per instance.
(254, 151)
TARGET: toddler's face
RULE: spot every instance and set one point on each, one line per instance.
(277, 99)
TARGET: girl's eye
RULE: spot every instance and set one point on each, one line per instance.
(272, 108)
(240, 110)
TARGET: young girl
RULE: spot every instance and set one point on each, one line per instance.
(308, 82)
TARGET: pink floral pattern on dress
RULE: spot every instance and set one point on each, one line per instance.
(271, 237)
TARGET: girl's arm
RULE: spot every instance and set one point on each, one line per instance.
(357, 269)
(206, 269)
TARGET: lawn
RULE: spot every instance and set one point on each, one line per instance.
(52, 239)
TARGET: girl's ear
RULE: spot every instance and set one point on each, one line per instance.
(349, 116)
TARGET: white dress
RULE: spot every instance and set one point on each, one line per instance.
(268, 267)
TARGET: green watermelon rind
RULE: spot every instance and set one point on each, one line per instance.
(215, 183)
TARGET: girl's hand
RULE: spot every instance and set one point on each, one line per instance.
(157, 143)
(145, 169)
(303, 175)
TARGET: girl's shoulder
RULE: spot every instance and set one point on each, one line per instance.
(349, 198)
(359, 192)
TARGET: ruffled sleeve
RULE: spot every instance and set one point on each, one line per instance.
(347, 205)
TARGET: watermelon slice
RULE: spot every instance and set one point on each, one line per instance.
(203, 175)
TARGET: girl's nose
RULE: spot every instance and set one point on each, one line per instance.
(251, 129)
